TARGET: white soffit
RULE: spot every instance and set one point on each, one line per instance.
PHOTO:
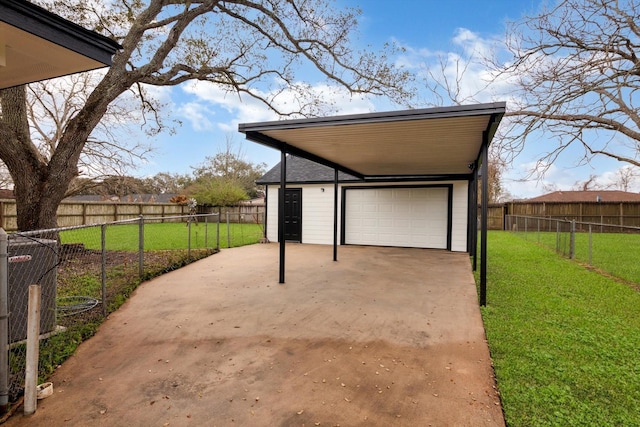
(440, 141)
(28, 58)
(36, 44)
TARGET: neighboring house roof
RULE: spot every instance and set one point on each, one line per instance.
(301, 170)
(258, 201)
(610, 196)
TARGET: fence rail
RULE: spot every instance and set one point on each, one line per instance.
(612, 248)
(625, 214)
(87, 271)
(72, 214)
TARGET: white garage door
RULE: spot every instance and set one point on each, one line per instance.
(407, 217)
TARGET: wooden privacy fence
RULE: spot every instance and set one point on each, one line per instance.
(86, 213)
(612, 213)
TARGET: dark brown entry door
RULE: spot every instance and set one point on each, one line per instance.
(293, 215)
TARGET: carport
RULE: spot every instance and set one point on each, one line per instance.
(446, 143)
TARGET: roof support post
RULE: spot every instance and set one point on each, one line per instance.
(483, 221)
(335, 214)
(281, 210)
(473, 218)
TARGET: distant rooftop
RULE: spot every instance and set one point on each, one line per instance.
(130, 198)
(610, 196)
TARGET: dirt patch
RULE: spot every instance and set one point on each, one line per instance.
(329, 383)
(80, 274)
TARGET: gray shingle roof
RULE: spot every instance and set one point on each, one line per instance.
(301, 170)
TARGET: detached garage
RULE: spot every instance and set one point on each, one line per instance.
(420, 214)
(399, 178)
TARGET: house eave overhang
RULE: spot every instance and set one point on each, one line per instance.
(377, 179)
(36, 44)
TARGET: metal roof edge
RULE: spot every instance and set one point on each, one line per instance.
(380, 179)
(493, 108)
(40, 22)
(310, 182)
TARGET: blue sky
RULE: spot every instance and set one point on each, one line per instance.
(424, 27)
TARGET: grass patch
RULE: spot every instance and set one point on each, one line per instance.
(164, 236)
(615, 253)
(564, 340)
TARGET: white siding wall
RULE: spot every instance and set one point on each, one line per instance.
(272, 213)
(459, 216)
(317, 212)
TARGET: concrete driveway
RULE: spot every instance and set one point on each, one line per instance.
(383, 337)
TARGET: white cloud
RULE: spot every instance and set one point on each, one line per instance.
(198, 115)
(521, 184)
(613, 179)
(245, 109)
(531, 179)
(459, 75)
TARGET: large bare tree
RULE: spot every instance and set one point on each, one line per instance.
(249, 48)
(575, 72)
(114, 147)
(447, 82)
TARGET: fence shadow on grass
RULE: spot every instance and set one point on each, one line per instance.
(610, 248)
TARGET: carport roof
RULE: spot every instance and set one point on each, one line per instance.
(36, 44)
(420, 142)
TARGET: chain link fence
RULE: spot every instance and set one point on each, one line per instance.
(611, 248)
(87, 272)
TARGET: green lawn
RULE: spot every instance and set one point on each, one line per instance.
(164, 236)
(565, 341)
(615, 253)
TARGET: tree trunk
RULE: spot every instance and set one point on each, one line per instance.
(38, 188)
(36, 207)
(41, 183)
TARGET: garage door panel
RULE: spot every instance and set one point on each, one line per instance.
(385, 223)
(411, 217)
